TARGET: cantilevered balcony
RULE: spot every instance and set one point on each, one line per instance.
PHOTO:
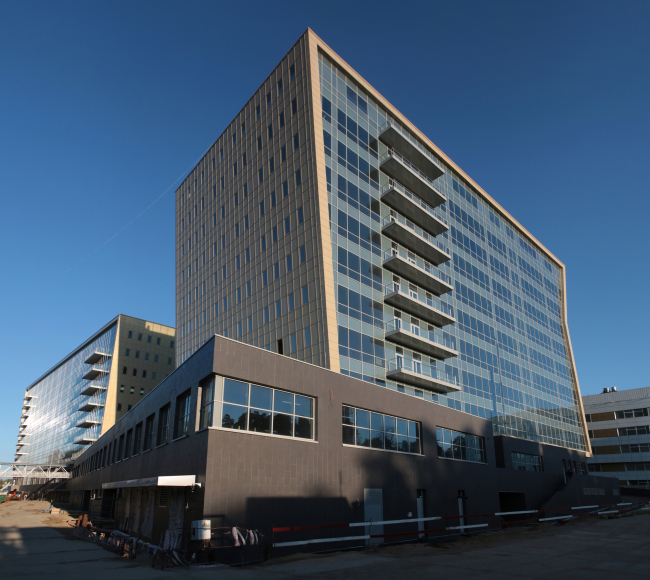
(397, 197)
(396, 137)
(95, 372)
(27, 405)
(28, 396)
(414, 238)
(407, 265)
(93, 389)
(21, 444)
(87, 424)
(96, 357)
(395, 166)
(413, 337)
(421, 375)
(85, 441)
(91, 406)
(419, 303)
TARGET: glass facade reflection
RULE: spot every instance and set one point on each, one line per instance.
(451, 270)
(52, 427)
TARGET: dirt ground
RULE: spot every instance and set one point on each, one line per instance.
(35, 543)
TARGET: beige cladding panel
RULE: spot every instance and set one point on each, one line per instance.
(199, 270)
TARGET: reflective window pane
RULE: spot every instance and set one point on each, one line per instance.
(363, 437)
(348, 416)
(283, 402)
(304, 406)
(363, 419)
(389, 424)
(390, 441)
(376, 439)
(260, 421)
(402, 427)
(414, 445)
(261, 397)
(282, 424)
(304, 428)
(235, 392)
(402, 443)
(348, 435)
(234, 417)
(376, 421)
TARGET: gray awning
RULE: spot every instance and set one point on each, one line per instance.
(158, 481)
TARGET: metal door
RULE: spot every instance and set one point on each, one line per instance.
(373, 506)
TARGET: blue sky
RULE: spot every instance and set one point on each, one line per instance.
(104, 105)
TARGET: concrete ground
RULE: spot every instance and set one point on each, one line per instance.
(35, 544)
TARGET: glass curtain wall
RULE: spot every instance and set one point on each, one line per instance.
(512, 365)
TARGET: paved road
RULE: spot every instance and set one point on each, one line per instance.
(34, 544)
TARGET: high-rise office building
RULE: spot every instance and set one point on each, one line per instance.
(619, 429)
(323, 225)
(83, 395)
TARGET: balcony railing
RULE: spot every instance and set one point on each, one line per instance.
(423, 370)
(392, 184)
(412, 140)
(407, 255)
(416, 230)
(420, 296)
(430, 335)
(397, 155)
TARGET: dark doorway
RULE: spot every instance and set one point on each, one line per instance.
(511, 501)
(280, 349)
(85, 506)
(108, 504)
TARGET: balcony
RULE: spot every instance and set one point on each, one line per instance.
(397, 197)
(407, 265)
(413, 337)
(93, 389)
(89, 407)
(27, 405)
(95, 372)
(96, 357)
(21, 444)
(88, 424)
(395, 166)
(18, 453)
(413, 238)
(28, 396)
(85, 441)
(421, 375)
(416, 302)
(396, 137)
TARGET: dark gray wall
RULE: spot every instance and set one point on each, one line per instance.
(257, 481)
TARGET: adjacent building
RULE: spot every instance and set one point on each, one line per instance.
(83, 395)
(323, 225)
(619, 429)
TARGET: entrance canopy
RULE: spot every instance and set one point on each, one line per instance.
(158, 481)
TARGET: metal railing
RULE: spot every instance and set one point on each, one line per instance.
(407, 255)
(402, 131)
(420, 368)
(409, 165)
(420, 295)
(418, 231)
(413, 330)
(392, 184)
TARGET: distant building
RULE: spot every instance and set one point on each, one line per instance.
(618, 423)
(83, 395)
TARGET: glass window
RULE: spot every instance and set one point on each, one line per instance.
(207, 405)
(378, 431)
(266, 410)
(163, 425)
(457, 445)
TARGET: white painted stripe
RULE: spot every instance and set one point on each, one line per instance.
(608, 512)
(321, 541)
(465, 527)
(388, 522)
(515, 513)
(625, 503)
(555, 518)
(585, 507)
